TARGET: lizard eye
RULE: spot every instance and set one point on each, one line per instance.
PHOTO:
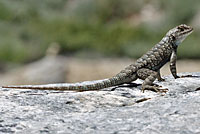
(181, 29)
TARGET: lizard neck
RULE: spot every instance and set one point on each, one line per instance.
(169, 40)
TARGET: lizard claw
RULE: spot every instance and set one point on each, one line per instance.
(155, 89)
(156, 85)
(163, 90)
(161, 79)
(186, 76)
(160, 90)
(176, 77)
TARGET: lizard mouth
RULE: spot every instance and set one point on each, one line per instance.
(190, 30)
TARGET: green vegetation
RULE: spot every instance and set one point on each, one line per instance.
(106, 27)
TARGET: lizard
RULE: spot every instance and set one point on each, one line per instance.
(147, 67)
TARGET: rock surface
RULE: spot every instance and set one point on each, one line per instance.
(123, 110)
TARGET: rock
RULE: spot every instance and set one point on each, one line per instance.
(123, 110)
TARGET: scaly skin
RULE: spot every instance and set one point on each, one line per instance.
(146, 68)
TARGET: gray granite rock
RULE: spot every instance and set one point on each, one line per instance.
(118, 111)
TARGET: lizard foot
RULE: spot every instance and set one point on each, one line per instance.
(156, 85)
(184, 76)
(161, 79)
(154, 88)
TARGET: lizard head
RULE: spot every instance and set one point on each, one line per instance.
(179, 33)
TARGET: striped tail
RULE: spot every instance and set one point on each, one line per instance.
(82, 86)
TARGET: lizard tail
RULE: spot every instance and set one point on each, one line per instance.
(82, 86)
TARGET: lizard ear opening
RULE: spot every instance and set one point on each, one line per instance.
(173, 37)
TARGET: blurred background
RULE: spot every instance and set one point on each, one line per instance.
(52, 41)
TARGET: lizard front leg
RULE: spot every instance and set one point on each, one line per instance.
(159, 76)
(149, 76)
(173, 64)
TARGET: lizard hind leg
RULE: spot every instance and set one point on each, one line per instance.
(149, 76)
